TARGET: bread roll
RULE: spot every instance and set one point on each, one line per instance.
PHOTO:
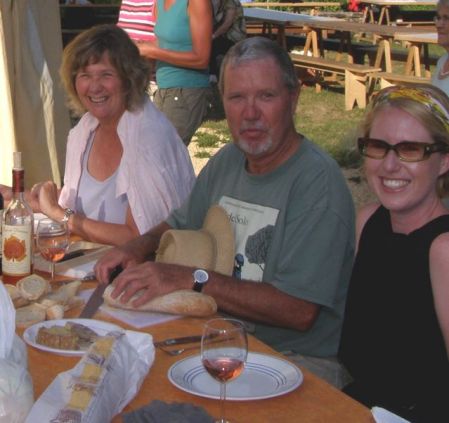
(73, 302)
(33, 287)
(64, 294)
(16, 296)
(29, 315)
(184, 302)
(55, 312)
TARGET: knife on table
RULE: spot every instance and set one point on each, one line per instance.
(96, 299)
(176, 341)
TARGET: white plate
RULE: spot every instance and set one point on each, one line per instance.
(102, 328)
(264, 376)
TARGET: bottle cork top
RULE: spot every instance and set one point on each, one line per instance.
(17, 160)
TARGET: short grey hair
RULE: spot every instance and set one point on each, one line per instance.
(442, 3)
(260, 48)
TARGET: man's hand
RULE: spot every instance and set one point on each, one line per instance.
(122, 256)
(151, 280)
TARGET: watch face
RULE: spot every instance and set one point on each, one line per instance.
(200, 276)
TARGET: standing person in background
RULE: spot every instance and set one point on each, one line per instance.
(229, 28)
(441, 76)
(126, 167)
(395, 338)
(182, 51)
(136, 17)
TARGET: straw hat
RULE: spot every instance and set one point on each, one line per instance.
(211, 247)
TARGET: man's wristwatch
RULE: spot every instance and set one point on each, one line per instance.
(67, 213)
(200, 278)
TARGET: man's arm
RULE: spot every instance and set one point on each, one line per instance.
(261, 302)
(130, 254)
(256, 301)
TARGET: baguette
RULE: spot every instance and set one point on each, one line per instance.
(184, 302)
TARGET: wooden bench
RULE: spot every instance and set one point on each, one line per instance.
(355, 76)
(386, 79)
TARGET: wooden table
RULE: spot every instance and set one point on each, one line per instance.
(417, 41)
(280, 20)
(313, 6)
(314, 401)
(315, 25)
(368, 13)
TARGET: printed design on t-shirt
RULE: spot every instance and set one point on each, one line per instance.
(253, 226)
(256, 248)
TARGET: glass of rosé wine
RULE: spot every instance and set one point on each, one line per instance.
(224, 347)
(52, 239)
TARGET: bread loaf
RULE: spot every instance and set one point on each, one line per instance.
(184, 302)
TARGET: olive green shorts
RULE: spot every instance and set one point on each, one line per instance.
(186, 108)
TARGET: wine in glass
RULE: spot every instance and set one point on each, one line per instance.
(224, 347)
(52, 239)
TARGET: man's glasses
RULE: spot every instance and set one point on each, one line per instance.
(407, 151)
(443, 19)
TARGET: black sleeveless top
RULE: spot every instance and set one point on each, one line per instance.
(391, 341)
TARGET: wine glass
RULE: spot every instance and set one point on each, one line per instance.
(52, 239)
(224, 347)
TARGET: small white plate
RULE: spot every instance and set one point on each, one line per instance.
(264, 376)
(102, 328)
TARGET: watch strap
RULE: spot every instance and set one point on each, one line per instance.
(67, 213)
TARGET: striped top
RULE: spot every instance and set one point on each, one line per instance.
(137, 19)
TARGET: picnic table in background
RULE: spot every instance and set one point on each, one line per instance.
(356, 76)
(385, 5)
(417, 42)
(313, 6)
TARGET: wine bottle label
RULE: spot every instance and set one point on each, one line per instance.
(16, 248)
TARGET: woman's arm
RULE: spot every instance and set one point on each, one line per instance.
(200, 15)
(439, 269)
(88, 229)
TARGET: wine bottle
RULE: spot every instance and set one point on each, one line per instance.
(1, 219)
(17, 222)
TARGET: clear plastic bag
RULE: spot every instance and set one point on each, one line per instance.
(16, 388)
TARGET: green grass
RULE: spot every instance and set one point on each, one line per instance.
(320, 116)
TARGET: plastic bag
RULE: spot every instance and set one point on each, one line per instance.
(16, 388)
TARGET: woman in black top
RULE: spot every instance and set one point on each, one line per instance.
(395, 338)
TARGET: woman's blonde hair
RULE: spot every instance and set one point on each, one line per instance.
(427, 104)
(89, 47)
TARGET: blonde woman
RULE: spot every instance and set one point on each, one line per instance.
(395, 338)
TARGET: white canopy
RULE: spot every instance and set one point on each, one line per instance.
(33, 116)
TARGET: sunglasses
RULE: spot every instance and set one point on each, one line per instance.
(407, 151)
